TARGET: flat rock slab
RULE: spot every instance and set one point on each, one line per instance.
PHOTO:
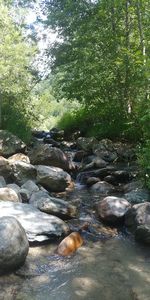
(38, 225)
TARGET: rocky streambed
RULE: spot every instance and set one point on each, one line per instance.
(97, 193)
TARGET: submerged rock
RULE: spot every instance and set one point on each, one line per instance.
(14, 244)
(38, 225)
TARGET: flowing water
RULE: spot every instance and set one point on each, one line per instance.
(109, 266)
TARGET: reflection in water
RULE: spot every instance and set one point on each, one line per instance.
(111, 269)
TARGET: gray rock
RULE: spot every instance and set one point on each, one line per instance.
(8, 194)
(2, 182)
(25, 195)
(14, 244)
(96, 163)
(10, 144)
(142, 234)
(23, 172)
(112, 209)
(38, 226)
(30, 186)
(102, 187)
(52, 178)
(53, 206)
(49, 156)
(14, 187)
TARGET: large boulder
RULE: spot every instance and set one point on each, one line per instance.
(14, 244)
(103, 187)
(52, 178)
(23, 171)
(10, 144)
(113, 209)
(49, 156)
(53, 206)
(38, 226)
(86, 144)
(137, 219)
(8, 194)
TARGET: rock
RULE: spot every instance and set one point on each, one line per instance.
(138, 215)
(23, 172)
(14, 187)
(30, 186)
(7, 194)
(38, 225)
(92, 180)
(137, 219)
(138, 195)
(5, 168)
(2, 182)
(52, 178)
(111, 179)
(70, 244)
(102, 187)
(96, 163)
(19, 157)
(49, 156)
(133, 185)
(53, 206)
(86, 144)
(10, 144)
(14, 244)
(113, 209)
(50, 141)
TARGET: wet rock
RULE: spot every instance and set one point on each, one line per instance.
(103, 187)
(138, 195)
(70, 244)
(86, 144)
(142, 234)
(53, 206)
(113, 209)
(23, 172)
(14, 244)
(52, 178)
(50, 141)
(19, 157)
(38, 225)
(8, 194)
(111, 179)
(49, 156)
(2, 182)
(10, 144)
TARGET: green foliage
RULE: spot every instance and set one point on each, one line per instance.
(16, 80)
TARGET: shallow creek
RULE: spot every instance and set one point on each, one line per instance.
(109, 266)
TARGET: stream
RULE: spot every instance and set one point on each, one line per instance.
(109, 266)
